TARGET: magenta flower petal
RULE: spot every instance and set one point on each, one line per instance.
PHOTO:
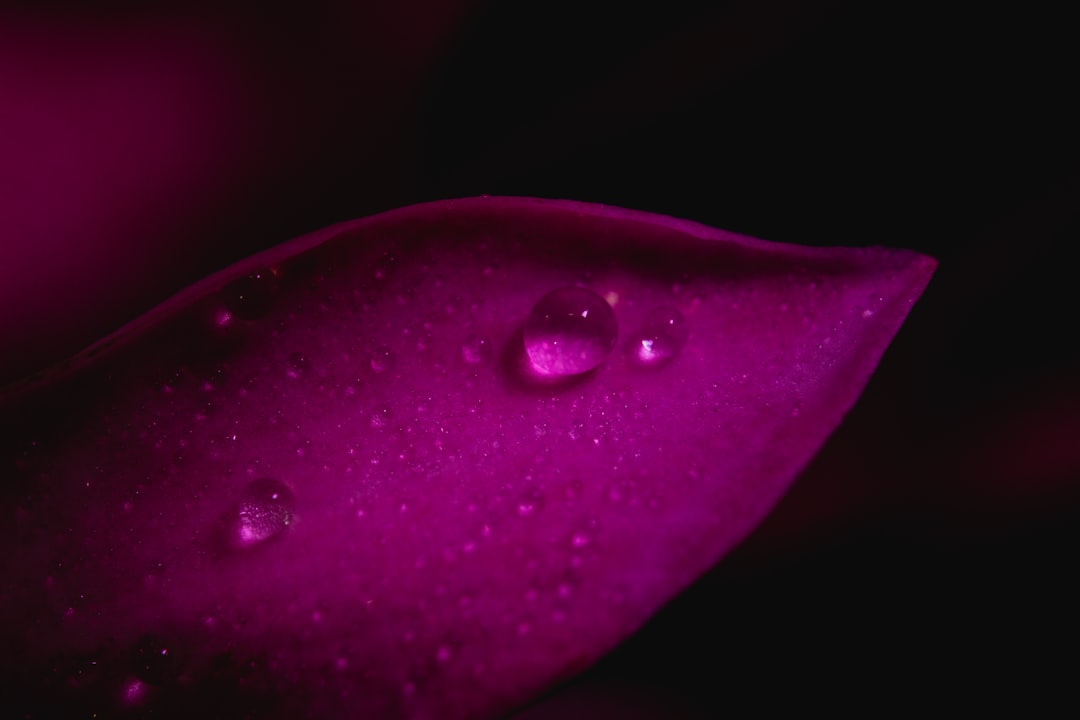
(330, 481)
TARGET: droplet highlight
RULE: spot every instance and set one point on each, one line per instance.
(570, 331)
(662, 336)
(264, 511)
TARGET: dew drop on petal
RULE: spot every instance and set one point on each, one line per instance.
(265, 510)
(662, 336)
(570, 331)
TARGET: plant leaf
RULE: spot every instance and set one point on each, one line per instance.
(327, 481)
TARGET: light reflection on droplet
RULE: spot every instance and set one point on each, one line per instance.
(662, 336)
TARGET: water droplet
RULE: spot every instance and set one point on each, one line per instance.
(570, 331)
(662, 336)
(382, 359)
(475, 349)
(265, 509)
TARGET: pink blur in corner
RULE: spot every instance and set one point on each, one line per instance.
(111, 136)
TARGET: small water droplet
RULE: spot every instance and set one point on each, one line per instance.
(662, 336)
(570, 331)
(265, 510)
(381, 359)
(475, 349)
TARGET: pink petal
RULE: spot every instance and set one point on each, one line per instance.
(432, 530)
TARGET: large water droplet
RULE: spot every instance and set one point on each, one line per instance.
(662, 336)
(570, 331)
(265, 510)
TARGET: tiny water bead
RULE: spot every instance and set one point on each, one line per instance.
(663, 334)
(570, 331)
(265, 510)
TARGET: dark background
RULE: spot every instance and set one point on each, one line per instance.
(932, 544)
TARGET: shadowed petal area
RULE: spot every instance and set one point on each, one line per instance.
(330, 482)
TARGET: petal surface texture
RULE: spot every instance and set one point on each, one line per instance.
(329, 482)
